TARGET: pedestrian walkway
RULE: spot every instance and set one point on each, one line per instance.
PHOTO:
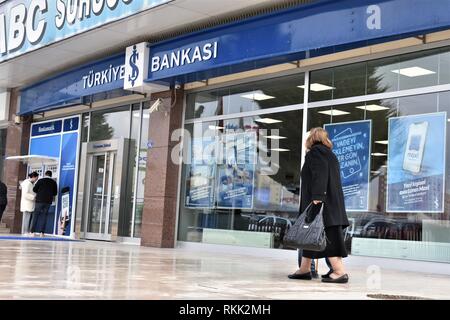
(97, 270)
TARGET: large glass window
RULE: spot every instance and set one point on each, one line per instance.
(241, 185)
(409, 71)
(247, 97)
(392, 151)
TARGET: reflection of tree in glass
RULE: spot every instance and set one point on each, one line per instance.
(100, 129)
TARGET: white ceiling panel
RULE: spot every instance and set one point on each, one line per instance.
(114, 38)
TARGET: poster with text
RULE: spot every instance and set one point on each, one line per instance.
(201, 174)
(236, 171)
(416, 163)
(351, 145)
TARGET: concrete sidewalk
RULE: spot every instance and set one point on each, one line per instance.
(96, 270)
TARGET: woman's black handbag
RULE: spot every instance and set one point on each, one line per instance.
(308, 232)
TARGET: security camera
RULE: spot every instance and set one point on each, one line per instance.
(155, 107)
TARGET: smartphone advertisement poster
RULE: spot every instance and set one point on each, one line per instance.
(351, 145)
(416, 163)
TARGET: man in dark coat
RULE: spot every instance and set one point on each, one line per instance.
(3, 199)
(46, 190)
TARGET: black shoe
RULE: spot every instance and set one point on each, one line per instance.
(341, 279)
(302, 276)
(327, 276)
(314, 275)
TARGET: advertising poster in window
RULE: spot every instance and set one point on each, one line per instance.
(236, 171)
(416, 163)
(351, 145)
(201, 174)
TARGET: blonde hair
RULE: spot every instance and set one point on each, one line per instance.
(318, 135)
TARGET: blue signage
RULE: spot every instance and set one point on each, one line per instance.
(71, 124)
(69, 87)
(242, 45)
(351, 145)
(26, 25)
(245, 45)
(416, 163)
(46, 128)
(63, 145)
(67, 171)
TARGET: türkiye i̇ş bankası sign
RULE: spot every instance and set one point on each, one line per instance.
(26, 25)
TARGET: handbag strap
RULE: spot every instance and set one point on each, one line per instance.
(309, 205)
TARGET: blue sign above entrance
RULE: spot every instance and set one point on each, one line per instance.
(293, 34)
(253, 43)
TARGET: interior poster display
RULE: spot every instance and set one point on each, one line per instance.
(416, 163)
(236, 171)
(201, 174)
(351, 145)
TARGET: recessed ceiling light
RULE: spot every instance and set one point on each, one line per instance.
(280, 149)
(334, 112)
(378, 154)
(215, 128)
(316, 87)
(382, 142)
(413, 72)
(268, 120)
(372, 107)
(275, 137)
(257, 95)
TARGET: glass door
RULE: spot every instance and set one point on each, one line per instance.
(101, 197)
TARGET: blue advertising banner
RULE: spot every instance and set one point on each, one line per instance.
(64, 146)
(201, 176)
(416, 163)
(67, 171)
(26, 25)
(351, 145)
(236, 172)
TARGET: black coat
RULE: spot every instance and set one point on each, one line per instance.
(45, 189)
(321, 180)
(3, 194)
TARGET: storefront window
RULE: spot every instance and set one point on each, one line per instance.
(110, 124)
(409, 71)
(392, 151)
(242, 185)
(406, 196)
(247, 97)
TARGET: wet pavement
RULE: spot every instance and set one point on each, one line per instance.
(97, 270)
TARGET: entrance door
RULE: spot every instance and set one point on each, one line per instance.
(102, 188)
(101, 197)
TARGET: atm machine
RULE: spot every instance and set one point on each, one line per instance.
(41, 164)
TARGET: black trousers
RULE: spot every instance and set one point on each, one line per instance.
(2, 210)
(40, 217)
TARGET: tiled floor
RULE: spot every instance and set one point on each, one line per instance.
(95, 270)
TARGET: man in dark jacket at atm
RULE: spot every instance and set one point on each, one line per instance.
(46, 190)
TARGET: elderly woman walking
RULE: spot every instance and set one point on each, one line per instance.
(321, 184)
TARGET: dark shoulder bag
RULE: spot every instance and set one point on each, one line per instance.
(308, 232)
